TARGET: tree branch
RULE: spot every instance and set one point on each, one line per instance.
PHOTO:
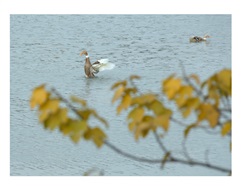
(125, 154)
(170, 160)
(160, 142)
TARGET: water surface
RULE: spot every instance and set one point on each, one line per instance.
(45, 49)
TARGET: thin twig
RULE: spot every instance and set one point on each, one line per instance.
(125, 154)
(186, 125)
(206, 156)
(160, 142)
(199, 92)
(205, 128)
(185, 152)
(65, 101)
(200, 164)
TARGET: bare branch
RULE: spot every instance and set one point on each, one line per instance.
(160, 142)
(185, 152)
(170, 159)
(140, 159)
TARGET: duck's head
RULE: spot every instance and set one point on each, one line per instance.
(83, 53)
(207, 36)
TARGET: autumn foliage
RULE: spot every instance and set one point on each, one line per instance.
(209, 101)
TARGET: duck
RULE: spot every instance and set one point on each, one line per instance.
(199, 39)
(98, 66)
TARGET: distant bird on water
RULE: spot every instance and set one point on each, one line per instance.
(199, 39)
(98, 66)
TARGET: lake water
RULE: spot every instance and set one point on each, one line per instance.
(45, 49)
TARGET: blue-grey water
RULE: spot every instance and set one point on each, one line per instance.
(45, 49)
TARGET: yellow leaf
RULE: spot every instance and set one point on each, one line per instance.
(74, 128)
(213, 93)
(55, 120)
(188, 129)
(51, 122)
(195, 77)
(84, 114)
(226, 128)
(134, 77)
(43, 116)
(95, 134)
(136, 114)
(118, 93)
(87, 135)
(119, 109)
(117, 84)
(131, 125)
(78, 130)
(126, 101)
(156, 106)
(76, 137)
(130, 90)
(208, 112)
(50, 105)
(78, 100)
(163, 120)
(39, 96)
(189, 105)
(183, 94)
(142, 127)
(144, 99)
(98, 136)
(224, 81)
(170, 87)
(62, 115)
(148, 118)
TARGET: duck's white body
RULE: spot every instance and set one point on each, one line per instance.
(98, 66)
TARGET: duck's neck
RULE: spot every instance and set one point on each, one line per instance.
(87, 59)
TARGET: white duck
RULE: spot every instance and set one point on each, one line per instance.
(99, 65)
